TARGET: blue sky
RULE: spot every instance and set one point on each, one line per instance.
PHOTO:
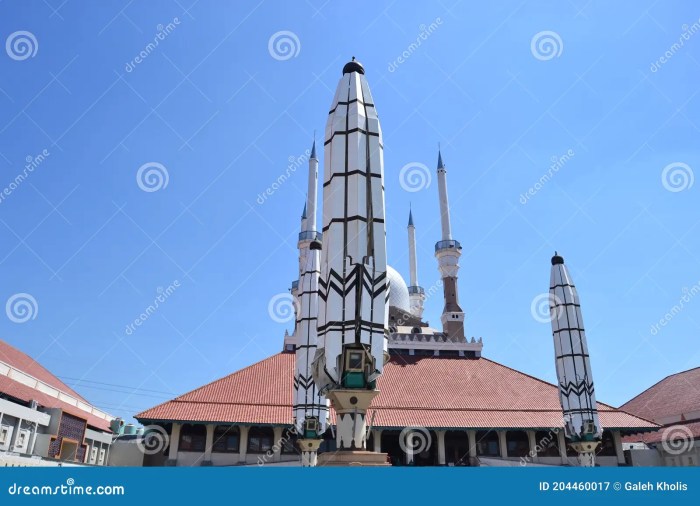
(223, 114)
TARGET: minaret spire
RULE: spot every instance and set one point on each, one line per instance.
(581, 422)
(353, 289)
(415, 292)
(447, 252)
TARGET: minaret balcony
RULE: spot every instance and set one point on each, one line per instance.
(295, 285)
(310, 235)
(446, 245)
(412, 290)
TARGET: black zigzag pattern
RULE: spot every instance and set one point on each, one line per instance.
(579, 388)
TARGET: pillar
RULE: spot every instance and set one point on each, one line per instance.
(243, 443)
(174, 444)
(532, 440)
(471, 434)
(502, 443)
(409, 448)
(277, 444)
(377, 435)
(33, 441)
(441, 447)
(15, 434)
(106, 462)
(562, 446)
(617, 439)
(208, 444)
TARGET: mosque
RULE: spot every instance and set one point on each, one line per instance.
(439, 401)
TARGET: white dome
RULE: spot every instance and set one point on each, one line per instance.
(398, 295)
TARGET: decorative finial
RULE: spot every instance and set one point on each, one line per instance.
(557, 259)
(410, 216)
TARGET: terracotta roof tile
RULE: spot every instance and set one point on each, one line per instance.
(674, 395)
(438, 392)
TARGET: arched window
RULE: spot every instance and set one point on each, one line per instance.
(487, 443)
(226, 439)
(517, 443)
(193, 438)
(260, 439)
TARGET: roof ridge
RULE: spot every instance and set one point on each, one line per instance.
(61, 386)
(656, 384)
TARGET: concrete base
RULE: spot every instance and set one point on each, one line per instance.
(352, 458)
(207, 463)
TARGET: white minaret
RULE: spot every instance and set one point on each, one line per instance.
(353, 310)
(308, 219)
(310, 408)
(447, 252)
(415, 292)
(581, 424)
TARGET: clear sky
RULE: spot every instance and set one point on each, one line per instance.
(223, 107)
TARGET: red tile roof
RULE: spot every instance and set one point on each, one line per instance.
(12, 356)
(674, 395)
(436, 392)
(26, 364)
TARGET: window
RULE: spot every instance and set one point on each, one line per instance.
(22, 440)
(4, 434)
(547, 443)
(102, 456)
(260, 439)
(93, 455)
(289, 441)
(226, 439)
(193, 438)
(517, 443)
(487, 443)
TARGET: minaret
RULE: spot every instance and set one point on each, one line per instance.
(415, 292)
(310, 408)
(581, 424)
(353, 289)
(447, 252)
(308, 218)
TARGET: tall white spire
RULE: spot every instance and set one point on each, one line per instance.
(415, 292)
(353, 291)
(447, 252)
(312, 193)
(444, 203)
(576, 393)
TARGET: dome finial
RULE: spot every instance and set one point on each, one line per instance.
(410, 215)
(353, 66)
(557, 259)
